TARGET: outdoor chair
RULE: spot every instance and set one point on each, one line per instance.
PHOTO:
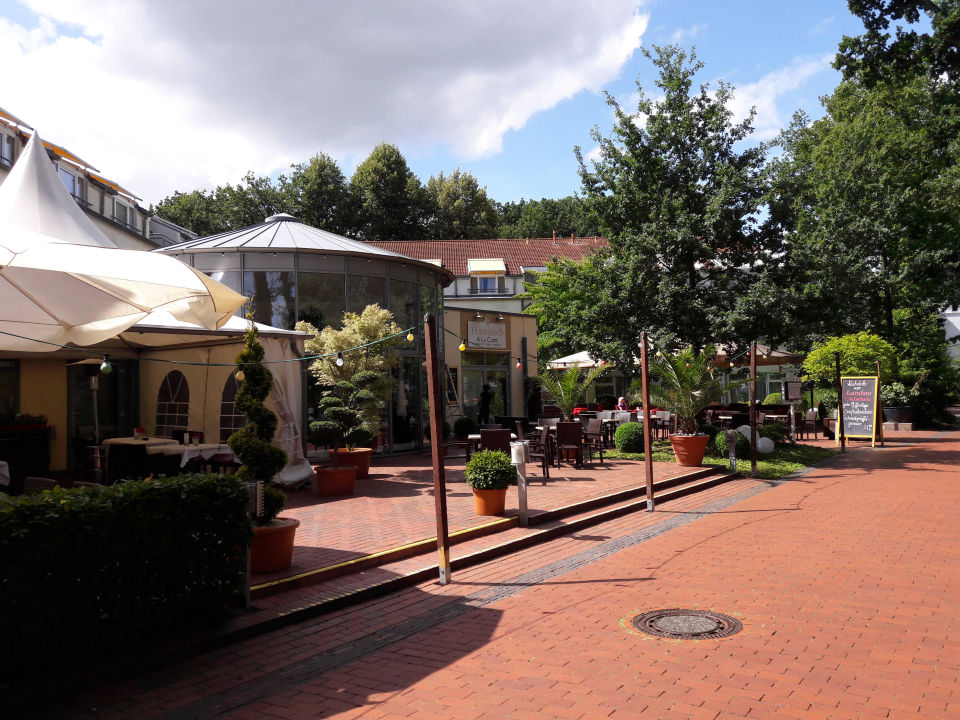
(809, 424)
(524, 433)
(593, 438)
(498, 439)
(34, 485)
(541, 451)
(761, 418)
(570, 441)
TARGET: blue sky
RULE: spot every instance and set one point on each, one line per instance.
(175, 95)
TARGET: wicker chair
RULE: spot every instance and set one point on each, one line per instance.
(593, 438)
(570, 440)
(33, 485)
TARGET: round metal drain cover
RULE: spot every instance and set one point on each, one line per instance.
(682, 624)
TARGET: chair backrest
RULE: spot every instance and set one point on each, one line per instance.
(33, 485)
(593, 426)
(761, 417)
(812, 414)
(551, 422)
(498, 439)
(569, 433)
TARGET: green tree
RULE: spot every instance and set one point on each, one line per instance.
(250, 202)
(461, 208)
(679, 202)
(318, 194)
(391, 202)
(541, 218)
(859, 354)
(197, 210)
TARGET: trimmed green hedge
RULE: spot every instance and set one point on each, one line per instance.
(777, 432)
(86, 571)
(629, 437)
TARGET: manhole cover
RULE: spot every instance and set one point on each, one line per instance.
(682, 624)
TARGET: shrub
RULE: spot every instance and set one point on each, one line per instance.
(721, 449)
(490, 470)
(896, 394)
(463, 427)
(87, 571)
(773, 399)
(274, 500)
(629, 437)
(445, 428)
(711, 431)
(777, 432)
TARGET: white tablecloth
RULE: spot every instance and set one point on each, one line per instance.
(146, 442)
(204, 451)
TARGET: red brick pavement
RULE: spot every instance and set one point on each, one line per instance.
(847, 580)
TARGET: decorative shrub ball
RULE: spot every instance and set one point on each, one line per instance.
(629, 438)
(721, 449)
(765, 445)
(490, 470)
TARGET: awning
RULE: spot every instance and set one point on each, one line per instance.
(581, 359)
(486, 266)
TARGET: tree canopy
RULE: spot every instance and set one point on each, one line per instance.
(460, 208)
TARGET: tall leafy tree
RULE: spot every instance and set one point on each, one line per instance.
(679, 202)
(541, 218)
(391, 202)
(197, 210)
(461, 208)
(318, 194)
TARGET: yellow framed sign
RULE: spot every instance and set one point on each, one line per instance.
(859, 398)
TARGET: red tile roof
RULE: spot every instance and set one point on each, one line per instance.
(515, 253)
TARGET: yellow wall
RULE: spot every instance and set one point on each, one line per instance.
(43, 391)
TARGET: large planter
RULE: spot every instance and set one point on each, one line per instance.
(359, 457)
(335, 481)
(489, 502)
(272, 546)
(898, 414)
(689, 449)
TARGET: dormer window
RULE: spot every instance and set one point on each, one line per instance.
(8, 147)
(122, 212)
(487, 276)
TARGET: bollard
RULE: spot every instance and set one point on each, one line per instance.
(732, 437)
(519, 451)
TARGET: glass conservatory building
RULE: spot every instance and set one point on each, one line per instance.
(293, 271)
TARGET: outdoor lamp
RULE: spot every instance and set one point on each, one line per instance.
(519, 364)
(105, 367)
(339, 359)
(410, 336)
(240, 376)
(463, 346)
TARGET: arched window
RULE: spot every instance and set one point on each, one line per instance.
(173, 405)
(231, 419)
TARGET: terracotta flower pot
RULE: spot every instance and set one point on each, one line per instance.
(689, 449)
(489, 502)
(335, 481)
(360, 457)
(272, 547)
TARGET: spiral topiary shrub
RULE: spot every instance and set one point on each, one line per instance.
(490, 470)
(251, 443)
(721, 449)
(629, 438)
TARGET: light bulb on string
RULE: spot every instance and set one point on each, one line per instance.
(339, 359)
(240, 376)
(519, 364)
(105, 367)
(463, 346)
(731, 364)
(410, 336)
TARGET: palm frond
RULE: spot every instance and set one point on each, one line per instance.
(567, 387)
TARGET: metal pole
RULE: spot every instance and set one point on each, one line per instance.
(840, 434)
(647, 440)
(753, 410)
(436, 447)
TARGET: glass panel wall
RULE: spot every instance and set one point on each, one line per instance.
(404, 303)
(406, 402)
(365, 290)
(320, 299)
(273, 295)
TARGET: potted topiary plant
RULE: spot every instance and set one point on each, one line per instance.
(897, 400)
(489, 473)
(341, 427)
(685, 384)
(261, 460)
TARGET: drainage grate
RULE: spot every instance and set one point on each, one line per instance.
(680, 624)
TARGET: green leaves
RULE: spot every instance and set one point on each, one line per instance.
(490, 470)
(567, 387)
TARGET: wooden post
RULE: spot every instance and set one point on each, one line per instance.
(753, 410)
(436, 447)
(879, 418)
(647, 440)
(840, 436)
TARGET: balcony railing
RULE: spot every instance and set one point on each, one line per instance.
(479, 291)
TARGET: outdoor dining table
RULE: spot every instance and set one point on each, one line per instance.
(204, 451)
(145, 441)
(777, 418)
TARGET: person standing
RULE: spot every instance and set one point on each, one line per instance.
(483, 412)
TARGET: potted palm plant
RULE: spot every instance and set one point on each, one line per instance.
(489, 473)
(272, 547)
(685, 384)
(567, 387)
(342, 428)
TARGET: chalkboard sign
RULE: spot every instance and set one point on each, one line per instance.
(859, 397)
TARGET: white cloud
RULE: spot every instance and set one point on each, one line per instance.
(175, 94)
(764, 93)
(681, 36)
(821, 27)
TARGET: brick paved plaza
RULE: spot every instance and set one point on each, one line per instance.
(846, 580)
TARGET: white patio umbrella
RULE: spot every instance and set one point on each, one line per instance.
(74, 286)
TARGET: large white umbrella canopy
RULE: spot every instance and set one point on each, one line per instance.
(581, 359)
(63, 282)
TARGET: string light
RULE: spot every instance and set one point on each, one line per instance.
(410, 336)
(463, 345)
(519, 364)
(339, 359)
(105, 367)
(240, 376)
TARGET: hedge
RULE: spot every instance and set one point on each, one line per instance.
(629, 437)
(87, 571)
(721, 449)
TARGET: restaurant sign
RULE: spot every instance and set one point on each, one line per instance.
(859, 398)
(487, 335)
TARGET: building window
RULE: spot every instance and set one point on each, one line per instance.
(122, 212)
(173, 405)
(231, 419)
(7, 150)
(69, 181)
